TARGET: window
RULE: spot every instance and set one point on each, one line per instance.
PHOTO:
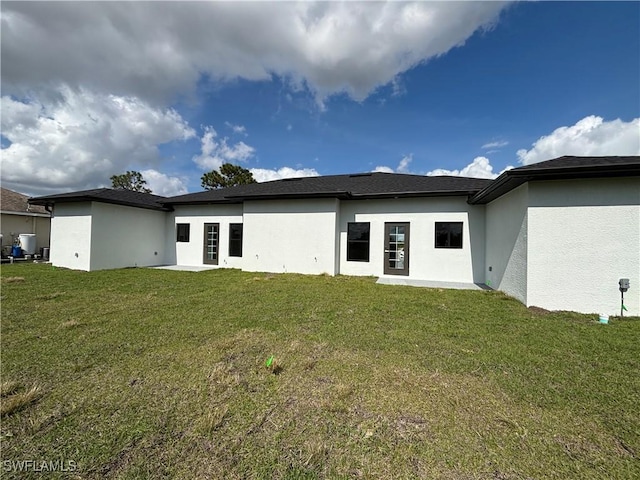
(448, 234)
(358, 242)
(235, 239)
(182, 232)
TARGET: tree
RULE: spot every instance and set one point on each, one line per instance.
(131, 180)
(229, 176)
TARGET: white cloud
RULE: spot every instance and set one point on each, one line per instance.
(403, 166)
(80, 139)
(157, 50)
(495, 144)
(216, 152)
(239, 129)
(480, 168)
(266, 175)
(591, 136)
(162, 184)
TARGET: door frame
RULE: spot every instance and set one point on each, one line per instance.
(387, 230)
(206, 260)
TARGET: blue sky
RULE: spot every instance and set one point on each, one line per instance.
(483, 87)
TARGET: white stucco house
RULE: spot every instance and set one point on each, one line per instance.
(557, 235)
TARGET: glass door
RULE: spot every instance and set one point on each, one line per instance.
(211, 236)
(396, 248)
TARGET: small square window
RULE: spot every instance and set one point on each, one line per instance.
(358, 242)
(182, 230)
(448, 234)
(235, 239)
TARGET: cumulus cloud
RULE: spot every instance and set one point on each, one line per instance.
(403, 166)
(383, 169)
(591, 136)
(214, 152)
(162, 184)
(81, 138)
(480, 168)
(266, 175)
(157, 50)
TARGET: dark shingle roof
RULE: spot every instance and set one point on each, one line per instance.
(11, 201)
(568, 167)
(106, 195)
(357, 186)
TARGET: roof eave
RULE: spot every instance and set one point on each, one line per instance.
(512, 179)
(51, 202)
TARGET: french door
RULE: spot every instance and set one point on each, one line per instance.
(211, 238)
(396, 248)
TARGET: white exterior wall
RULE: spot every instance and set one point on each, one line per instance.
(13, 224)
(71, 236)
(425, 261)
(192, 252)
(584, 235)
(126, 236)
(506, 243)
(290, 236)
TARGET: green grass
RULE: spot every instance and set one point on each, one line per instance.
(144, 373)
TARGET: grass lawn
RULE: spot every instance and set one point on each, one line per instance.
(143, 373)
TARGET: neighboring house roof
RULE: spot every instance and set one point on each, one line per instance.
(356, 186)
(562, 168)
(17, 203)
(106, 195)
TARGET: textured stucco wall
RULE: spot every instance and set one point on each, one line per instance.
(126, 236)
(584, 235)
(192, 252)
(71, 236)
(290, 236)
(506, 243)
(425, 261)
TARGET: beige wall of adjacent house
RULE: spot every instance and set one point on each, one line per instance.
(15, 224)
(191, 253)
(291, 236)
(71, 236)
(584, 235)
(506, 243)
(426, 262)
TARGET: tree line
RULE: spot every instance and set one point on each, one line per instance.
(229, 175)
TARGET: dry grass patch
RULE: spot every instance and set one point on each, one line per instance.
(19, 400)
(12, 279)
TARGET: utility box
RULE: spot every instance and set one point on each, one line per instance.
(624, 284)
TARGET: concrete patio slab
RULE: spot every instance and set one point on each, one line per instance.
(184, 268)
(431, 284)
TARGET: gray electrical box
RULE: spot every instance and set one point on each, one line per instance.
(624, 284)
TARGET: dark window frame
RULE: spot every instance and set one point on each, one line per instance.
(183, 232)
(443, 231)
(235, 244)
(352, 253)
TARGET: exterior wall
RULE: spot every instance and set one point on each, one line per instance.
(425, 261)
(126, 236)
(71, 236)
(506, 243)
(290, 236)
(192, 252)
(15, 224)
(584, 235)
